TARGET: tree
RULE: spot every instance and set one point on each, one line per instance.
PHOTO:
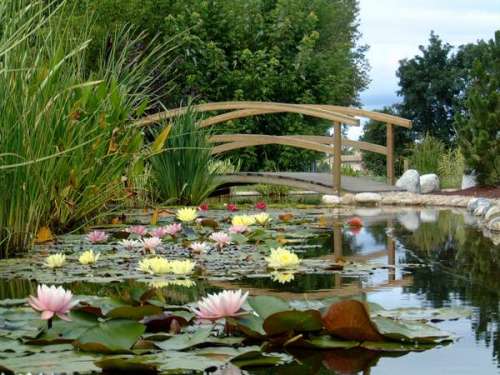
(294, 51)
(479, 124)
(430, 85)
(375, 132)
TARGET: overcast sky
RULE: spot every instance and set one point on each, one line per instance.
(395, 28)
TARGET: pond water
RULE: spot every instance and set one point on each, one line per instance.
(400, 258)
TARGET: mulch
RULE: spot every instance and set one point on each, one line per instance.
(483, 192)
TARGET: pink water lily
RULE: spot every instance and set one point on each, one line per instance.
(159, 232)
(221, 239)
(97, 236)
(173, 228)
(238, 229)
(52, 301)
(151, 243)
(140, 230)
(261, 205)
(221, 305)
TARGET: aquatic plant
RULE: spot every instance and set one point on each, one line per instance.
(130, 244)
(231, 207)
(221, 239)
(282, 277)
(199, 247)
(261, 205)
(238, 228)
(97, 236)
(221, 305)
(88, 257)
(151, 243)
(156, 266)
(245, 220)
(263, 218)
(55, 260)
(281, 258)
(182, 267)
(140, 230)
(187, 214)
(52, 301)
(203, 207)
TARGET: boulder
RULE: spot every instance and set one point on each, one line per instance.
(494, 224)
(468, 181)
(474, 203)
(429, 183)
(409, 220)
(429, 215)
(347, 198)
(481, 210)
(410, 181)
(368, 198)
(492, 213)
(330, 199)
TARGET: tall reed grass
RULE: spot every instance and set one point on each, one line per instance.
(65, 135)
(425, 155)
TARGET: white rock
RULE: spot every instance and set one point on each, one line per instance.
(368, 198)
(330, 199)
(468, 181)
(480, 211)
(478, 202)
(368, 211)
(409, 220)
(347, 198)
(492, 213)
(429, 183)
(429, 215)
(494, 225)
(410, 181)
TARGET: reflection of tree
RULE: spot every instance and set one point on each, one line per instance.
(464, 265)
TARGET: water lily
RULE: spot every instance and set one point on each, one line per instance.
(159, 232)
(173, 229)
(187, 214)
(263, 218)
(243, 220)
(151, 243)
(88, 257)
(52, 301)
(156, 266)
(282, 277)
(238, 229)
(56, 260)
(231, 207)
(203, 207)
(261, 205)
(140, 230)
(221, 305)
(181, 267)
(130, 244)
(199, 247)
(158, 284)
(221, 239)
(97, 236)
(281, 258)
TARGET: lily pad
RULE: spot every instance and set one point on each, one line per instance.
(265, 306)
(410, 331)
(293, 321)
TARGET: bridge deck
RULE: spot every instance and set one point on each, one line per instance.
(320, 182)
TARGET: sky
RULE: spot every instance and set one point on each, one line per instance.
(395, 28)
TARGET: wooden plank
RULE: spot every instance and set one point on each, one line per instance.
(337, 157)
(390, 154)
(268, 106)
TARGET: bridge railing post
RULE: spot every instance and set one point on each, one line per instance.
(337, 157)
(390, 154)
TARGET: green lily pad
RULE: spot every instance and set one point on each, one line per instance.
(265, 306)
(293, 321)
(327, 342)
(250, 325)
(114, 336)
(410, 331)
(133, 312)
(186, 340)
(388, 346)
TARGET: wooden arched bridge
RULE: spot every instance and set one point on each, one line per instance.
(332, 145)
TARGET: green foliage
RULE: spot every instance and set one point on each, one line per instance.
(272, 190)
(426, 154)
(266, 50)
(479, 125)
(183, 172)
(347, 170)
(64, 139)
(376, 132)
(451, 167)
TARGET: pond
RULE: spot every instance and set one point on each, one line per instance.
(429, 264)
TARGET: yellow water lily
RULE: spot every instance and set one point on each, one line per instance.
(88, 257)
(56, 260)
(243, 220)
(187, 214)
(158, 284)
(181, 267)
(282, 277)
(156, 265)
(263, 218)
(281, 258)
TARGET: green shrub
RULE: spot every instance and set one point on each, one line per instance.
(272, 190)
(65, 138)
(451, 167)
(184, 172)
(347, 170)
(426, 154)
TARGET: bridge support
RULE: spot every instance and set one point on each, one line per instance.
(337, 157)
(390, 154)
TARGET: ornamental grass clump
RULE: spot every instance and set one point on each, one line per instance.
(65, 135)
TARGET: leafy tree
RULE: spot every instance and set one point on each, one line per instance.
(295, 51)
(430, 85)
(479, 124)
(375, 132)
